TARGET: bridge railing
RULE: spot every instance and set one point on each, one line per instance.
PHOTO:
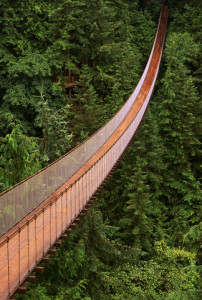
(56, 195)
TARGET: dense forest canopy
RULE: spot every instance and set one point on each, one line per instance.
(142, 239)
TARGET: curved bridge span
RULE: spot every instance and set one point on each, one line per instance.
(43, 207)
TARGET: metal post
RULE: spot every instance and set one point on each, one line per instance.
(19, 230)
(61, 197)
(56, 219)
(28, 246)
(66, 217)
(35, 240)
(8, 266)
(70, 195)
(50, 222)
(43, 230)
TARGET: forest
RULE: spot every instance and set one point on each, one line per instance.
(142, 239)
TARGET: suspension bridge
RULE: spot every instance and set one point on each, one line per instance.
(40, 212)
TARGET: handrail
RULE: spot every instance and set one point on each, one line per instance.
(24, 245)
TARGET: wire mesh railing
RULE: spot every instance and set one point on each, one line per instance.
(43, 222)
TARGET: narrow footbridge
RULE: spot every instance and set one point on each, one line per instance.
(40, 210)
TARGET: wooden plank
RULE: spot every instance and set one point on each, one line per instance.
(88, 205)
(58, 244)
(64, 237)
(45, 259)
(82, 215)
(31, 278)
(52, 251)
(21, 290)
(39, 269)
(70, 84)
(73, 225)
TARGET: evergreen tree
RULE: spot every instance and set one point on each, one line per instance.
(57, 138)
(136, 229)
(85, 108)
(178, 102)
(19, 156)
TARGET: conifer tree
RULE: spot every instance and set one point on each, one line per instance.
(86, 109)
(19, 156)
(135, 223)
(57, 138)
(178, 102)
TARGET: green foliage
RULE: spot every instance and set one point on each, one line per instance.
(154, 279)
(85, 114)
(192, 240)
(179, 123)
(56, 135)
(19, 156)
(135, 223)
(29, 60)
(39, 292)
